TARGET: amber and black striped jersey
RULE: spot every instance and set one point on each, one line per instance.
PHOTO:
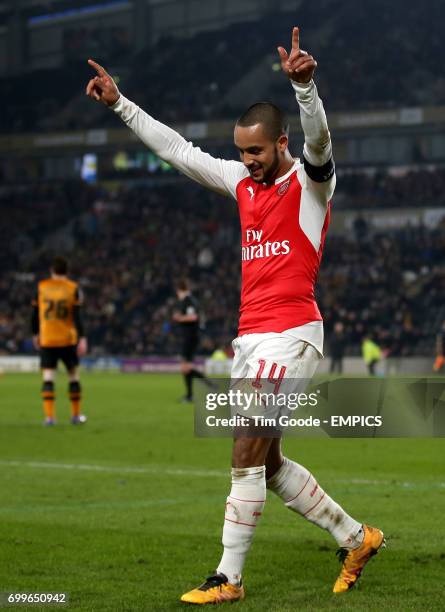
(56, 313)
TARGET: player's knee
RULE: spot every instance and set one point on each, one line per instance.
(274, 460)
(73, 373)
(48, 375)
(250, 451)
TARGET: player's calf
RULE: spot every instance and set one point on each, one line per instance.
(48, 398)
(301, 493)
(75, 395)
(244, 507)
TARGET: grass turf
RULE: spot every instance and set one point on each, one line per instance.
(125, 513)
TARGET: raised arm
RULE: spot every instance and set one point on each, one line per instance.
(217, 174)
(299, 66)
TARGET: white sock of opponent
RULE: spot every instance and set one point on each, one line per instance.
(243, 509)
(301, 493)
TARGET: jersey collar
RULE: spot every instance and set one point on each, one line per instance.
(288, 173)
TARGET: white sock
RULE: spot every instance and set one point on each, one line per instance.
(301, 493)
(243, 508)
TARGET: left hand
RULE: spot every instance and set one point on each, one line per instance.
(177, 317)
(299, 66)
(82, 347)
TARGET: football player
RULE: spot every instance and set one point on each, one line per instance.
(59, 335)
(284, 207)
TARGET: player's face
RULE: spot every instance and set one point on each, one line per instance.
(261, 155)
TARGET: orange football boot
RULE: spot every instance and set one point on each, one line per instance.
(355, 560)
(216, 589)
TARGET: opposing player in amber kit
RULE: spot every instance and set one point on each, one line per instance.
(58, 334)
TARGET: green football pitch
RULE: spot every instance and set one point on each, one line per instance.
(125, 513)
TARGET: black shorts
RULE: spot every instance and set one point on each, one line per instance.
(189, 347)
(49, 357)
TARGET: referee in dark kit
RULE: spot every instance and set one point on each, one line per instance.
(186, 315)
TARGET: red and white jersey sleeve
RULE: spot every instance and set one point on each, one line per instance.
(220, 175)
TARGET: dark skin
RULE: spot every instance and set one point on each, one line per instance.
(266, 160)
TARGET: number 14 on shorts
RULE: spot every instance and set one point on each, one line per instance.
(275, 380)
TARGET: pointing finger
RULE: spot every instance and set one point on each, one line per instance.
(295, 39)
(97, 67)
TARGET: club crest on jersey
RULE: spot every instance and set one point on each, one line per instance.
(283, 187)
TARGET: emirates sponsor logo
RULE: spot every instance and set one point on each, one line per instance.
(268, 249)
(283, 187)
(259, 250)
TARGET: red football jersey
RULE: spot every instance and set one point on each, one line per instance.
(279, 261)
(283, 225)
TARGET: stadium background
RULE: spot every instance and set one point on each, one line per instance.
(74, 180)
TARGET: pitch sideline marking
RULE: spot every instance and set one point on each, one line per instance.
(113, 469)
(132, 504)
(189, 472)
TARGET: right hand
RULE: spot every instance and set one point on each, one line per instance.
(102, 87)
(36, 342)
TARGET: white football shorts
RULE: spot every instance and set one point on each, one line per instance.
(271, 371)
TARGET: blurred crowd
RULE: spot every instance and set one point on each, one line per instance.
(387, 285)
(198, 78)
(356, 189)
(367, 58)
(417, 187)
(127, 251)
(129, 247)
